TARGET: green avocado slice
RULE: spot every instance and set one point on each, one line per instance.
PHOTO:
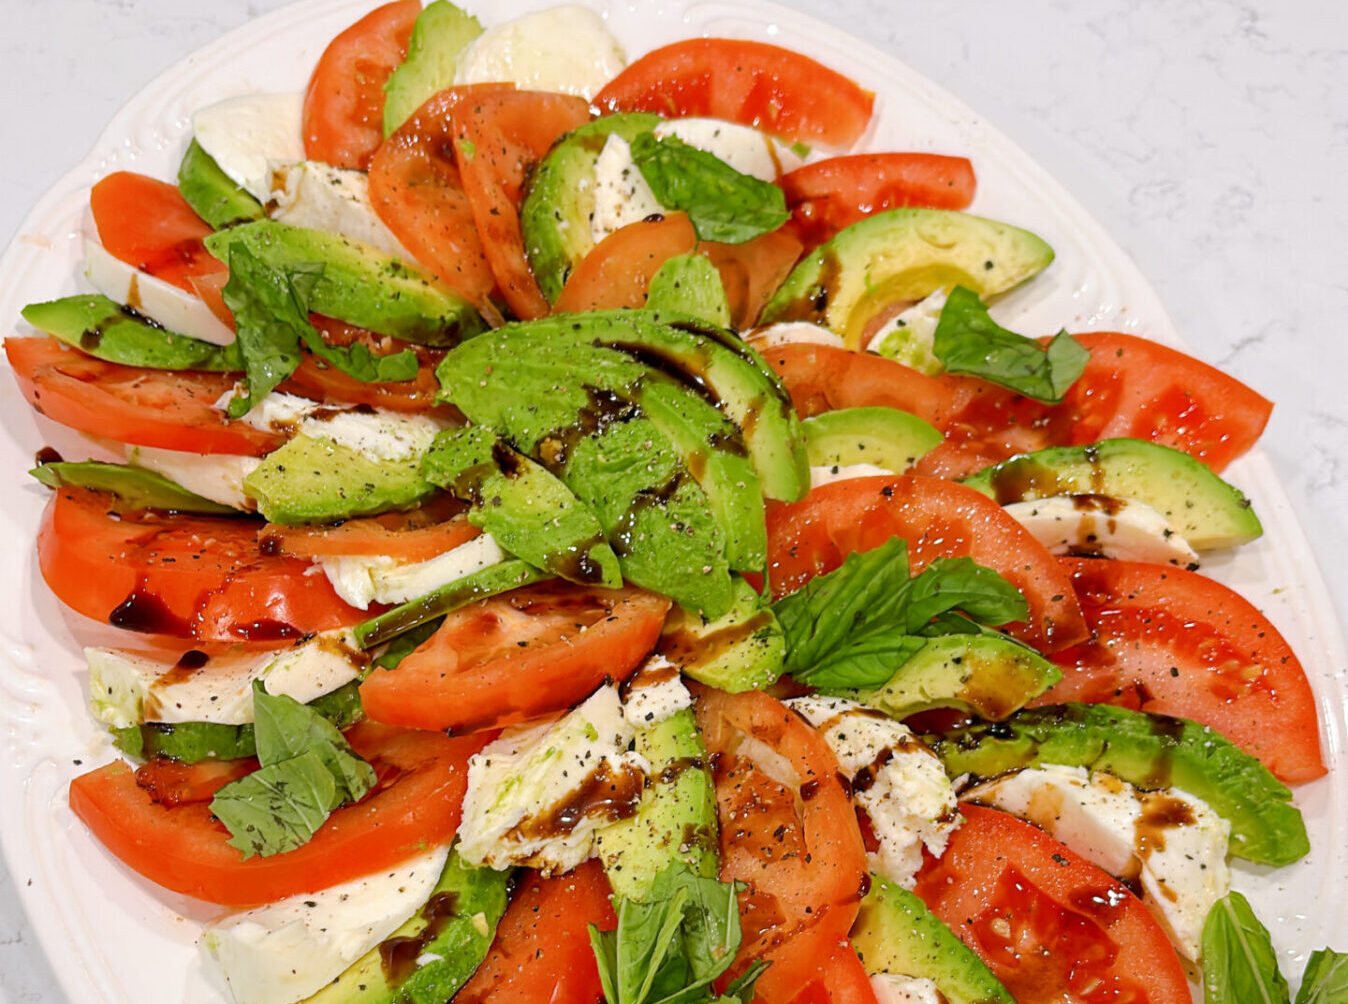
(212, 194)
(689, 284)
(886, 437)
(743, 649)
(106, 330)
(441, 33)
(135, 487)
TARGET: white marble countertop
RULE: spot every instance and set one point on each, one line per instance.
(1210, 139)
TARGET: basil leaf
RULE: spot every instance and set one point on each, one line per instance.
(741, 989)
(285, 729)
(866, 662)
(1239, 964)
(1325, 980)
(968, 340)
(723, 204)
(962, 584)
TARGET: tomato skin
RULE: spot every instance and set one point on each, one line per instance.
(185, 576)
(1050, 925)
(842, 978)
(184, 849)
(938, 519)
(147, 223)
(316, 379)
(823, 378)
(517, 656)
(1177, 643)
(344, 100)
(752, 271)
(753, 83)
(396, 535)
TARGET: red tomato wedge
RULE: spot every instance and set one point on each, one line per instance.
(415, 805)
(344, 102)
(499, 137)
(1178, 643)
(938, 519)
(315, 378)
(147, 223)
(1049, 924)
(752, 271)
(185, 576)
(168, 409)
(830, 195)
(402, 536)
(842, 978)
(618, 270)
(753, 83)
(517, 656)
(542, 949)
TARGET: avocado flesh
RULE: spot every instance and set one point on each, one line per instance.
(689, 284)
(676, 821)
(439, 36)
(212, 194)
(743, 649)
(310, 480)
(903, 255)
(135, 487)
(1148, 751)
(529, 511)
(886, 437)
(106, 330)
(452, 933)
(555, 215)
(360, 285)
(895, 933)
(984, 675)
(1207, 511)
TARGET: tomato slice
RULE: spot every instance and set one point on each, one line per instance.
(184, 576)
(344, 101)
(517, 656)
(171, 783)
(499, 137)
(842, 978)
(415, 805)
(316, 379)
(752, 271)
(1178, 643)
(165, 408)
(1049, 924)
(753, 83)
(542, 949)
(147, 223)
(617, 271)
(938, 519)
(411, 536)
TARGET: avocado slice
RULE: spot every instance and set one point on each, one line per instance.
(529, 512)
(1206, 510)
(106, 330)
(743, 649)
(439, 36)
(1149, 752)
(895, 933)
(212, 194)
(310, 480)
(983, 674)
(676, 820)
(689, 284)
(360, 285)
(135, 487)
(886, 437)
(429, 958)
(901, 255)
(555, 215)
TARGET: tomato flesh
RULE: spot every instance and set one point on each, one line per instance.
(147, 223)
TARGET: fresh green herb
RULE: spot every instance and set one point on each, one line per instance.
(1325, 980)
(308, 770)
(723, 204)
(134, 487)
(968, 340)
(855, 626)
(1239, 963)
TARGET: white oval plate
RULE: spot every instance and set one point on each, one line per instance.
(114, 937)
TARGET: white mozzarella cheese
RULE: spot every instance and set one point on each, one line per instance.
(249, 134)
(519, 783)
(127, 688)
(1114, 528)
(742, 147)
(792, 333)
(654, 692)
(566, 49)
(899, 783)
(285, 951)
(321, 197)
(162, 302)
(893, 989)
(215, 476)
(361, 580)
(1172, 842)
(621, 195)
(842, 472)
(379, 435)
(908, 336)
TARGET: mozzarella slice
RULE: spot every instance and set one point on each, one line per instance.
(898, 782)
(621, 195)
(285, 951)
(162, 302)
(892, 989)
(1171, 842)
(361, 580)
(792, 333)
(379, 435)
(126, 688)
(249, 134)
(566, 49)
(742, 147)
(321, 197)
(908, 336)
(1113, 528)
(215, 476)
(537, 795)
(843, 472)
(653, 693)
